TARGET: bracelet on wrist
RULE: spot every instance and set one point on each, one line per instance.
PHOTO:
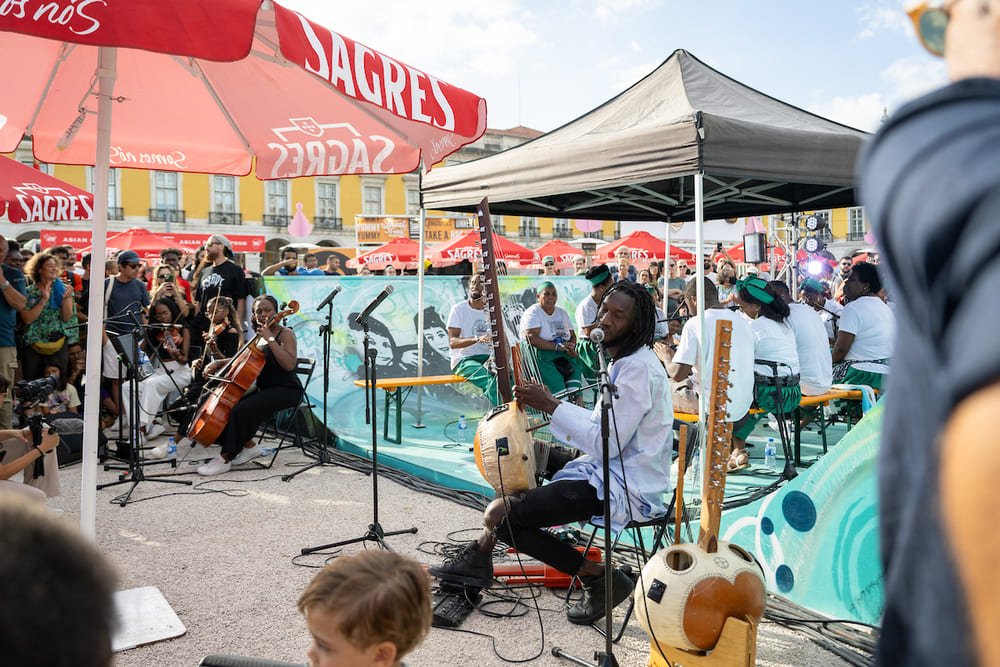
(39, 450)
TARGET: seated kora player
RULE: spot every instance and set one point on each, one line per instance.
(469, 340)
(366, 610)
(639, 459)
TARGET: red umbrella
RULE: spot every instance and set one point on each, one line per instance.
(559, 250)
(144, 242)
(211, 87)
(736, 252)
(643, 248)
(467, 247)
(400, 252)
(29, 195)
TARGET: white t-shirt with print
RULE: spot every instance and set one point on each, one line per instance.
(586, 313)
(557, 325)
(470, 322)
(874, 327)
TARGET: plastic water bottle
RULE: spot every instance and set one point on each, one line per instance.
(172, 449)
(145, 366)
(463, 429)
(267, 451)
(770, 454)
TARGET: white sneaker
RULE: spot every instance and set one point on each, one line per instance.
(247, 454)
(158, 452)
(216, 466)
(154, 431)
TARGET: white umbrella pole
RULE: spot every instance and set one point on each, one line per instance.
(706, 374)
(666, 262)
(106, 64)
(420, 313)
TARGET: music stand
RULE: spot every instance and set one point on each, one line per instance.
(127, 347)
(375, 532)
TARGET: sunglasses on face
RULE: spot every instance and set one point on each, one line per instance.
(132, 265)
(930, 21)
(549, 264)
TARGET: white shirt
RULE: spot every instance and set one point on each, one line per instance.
(470, 322)
(558, 325)
(813, 346)
(586, 314)
(643, 418)
(773, 341)
(740, 392)
(874, 329)
(828, 318)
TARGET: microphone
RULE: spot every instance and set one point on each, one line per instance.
(157, 325)
(366, 313)
(597, 335)
(329, 297)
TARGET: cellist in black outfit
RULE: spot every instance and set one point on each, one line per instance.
(277, 388)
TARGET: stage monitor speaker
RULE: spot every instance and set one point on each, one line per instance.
(755, 248)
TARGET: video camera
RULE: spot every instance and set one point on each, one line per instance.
(29, 392)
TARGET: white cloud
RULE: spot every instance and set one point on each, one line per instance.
(615, 11)
(635, 46)
(911, 77)
(905, 79)
(863, 112)
(883, 16)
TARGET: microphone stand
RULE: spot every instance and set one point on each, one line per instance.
(134, 473)
(608, 390)
(323, 457)
(375, 532)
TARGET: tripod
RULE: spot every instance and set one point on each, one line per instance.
(323, 457)
(128, 356)
(375, 532)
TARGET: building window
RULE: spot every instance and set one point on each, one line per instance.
(326, 200)
(561, 229)
(276, 197)
(166, 190)
(224, 194)
(529, 227)
(412, 201)
(115, 211)
(373, 200)
(856, 224)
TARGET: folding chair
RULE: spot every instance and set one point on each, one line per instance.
(304, 367)
(661, 534)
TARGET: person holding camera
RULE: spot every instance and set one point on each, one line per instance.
(48, 307)
(166, 287)
(19, 453)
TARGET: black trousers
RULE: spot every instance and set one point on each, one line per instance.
(561, 502)
(251, 411)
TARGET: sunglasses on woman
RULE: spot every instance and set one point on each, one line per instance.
(930, 21)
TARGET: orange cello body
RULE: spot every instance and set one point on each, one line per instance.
(240, 374)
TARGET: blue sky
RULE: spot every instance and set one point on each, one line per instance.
(542, 64)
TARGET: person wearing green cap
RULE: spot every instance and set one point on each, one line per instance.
(600, 280)
(549, 266)
(776, 362)
(549, 330)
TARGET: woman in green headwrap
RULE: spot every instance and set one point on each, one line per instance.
(549, 329)
(776, 362)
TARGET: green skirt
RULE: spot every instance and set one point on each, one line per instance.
(764, 398)
(474, 370)
(590, 364)
(559, 371)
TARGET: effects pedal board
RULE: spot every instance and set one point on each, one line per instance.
(452, 604)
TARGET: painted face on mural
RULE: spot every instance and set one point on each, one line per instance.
(437, 338)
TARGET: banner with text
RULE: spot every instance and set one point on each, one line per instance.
(80, 238)
(379, 229)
